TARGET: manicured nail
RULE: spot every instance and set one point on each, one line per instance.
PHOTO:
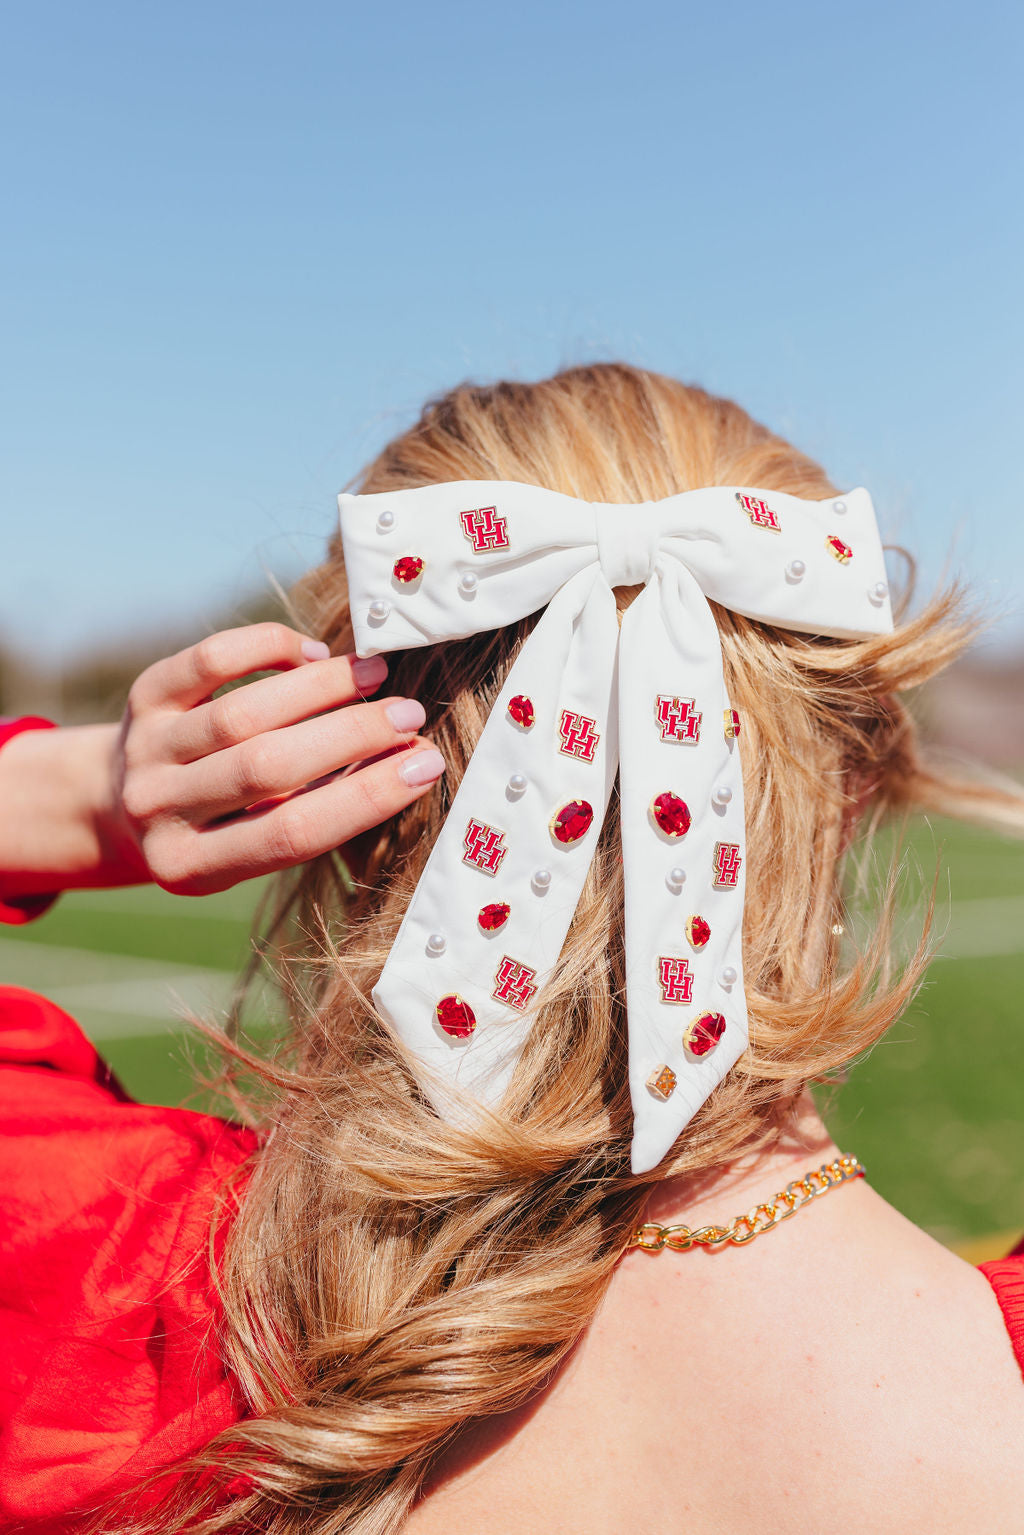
(406, 714)
(369, 673)
(315, 650)
(421, 768)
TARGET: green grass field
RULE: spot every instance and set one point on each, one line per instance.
(936, 1111)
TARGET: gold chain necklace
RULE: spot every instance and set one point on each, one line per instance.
(651, 1238)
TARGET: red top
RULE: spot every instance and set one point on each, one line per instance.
(34, 905)
(109, 1363)
(1006, 1276)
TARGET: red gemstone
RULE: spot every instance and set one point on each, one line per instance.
(493, 916)
(704, 1033)
(455, 1016)
(572, 822)
(698, 932)
(520, 709)
(671, 814)
(842, 551)
(407, 569)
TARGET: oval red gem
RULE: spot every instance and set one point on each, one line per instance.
(842, 551)
(455, 1016)
(704, 1033)
(407, 569)
(698, 931)
(671, 814)
(572, 822)
(520, 709)
(493, 916)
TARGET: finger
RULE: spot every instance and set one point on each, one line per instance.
(281, 761)
(272, 703)
(304, 826)
(186, 679)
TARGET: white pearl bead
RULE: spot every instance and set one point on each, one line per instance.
(379, 609)
(796, 570)
(386, 521)
(675, 879)
(728, 976)
(879, 592)
(541, 879)
(436, 943)
(467, 583)
(839, 507)
(518, 783)
(722, 795)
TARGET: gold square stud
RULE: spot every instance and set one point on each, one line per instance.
(662, 1081)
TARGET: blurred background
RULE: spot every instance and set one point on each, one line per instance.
(243, 243)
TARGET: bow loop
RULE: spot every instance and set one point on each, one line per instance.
(628, 539)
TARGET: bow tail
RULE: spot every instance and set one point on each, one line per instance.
(487, 921)
(683, 860)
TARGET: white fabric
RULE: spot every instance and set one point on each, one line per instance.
(566, 556)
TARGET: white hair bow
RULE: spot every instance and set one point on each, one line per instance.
(487, 921)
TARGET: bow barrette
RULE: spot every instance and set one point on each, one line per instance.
(487, 921)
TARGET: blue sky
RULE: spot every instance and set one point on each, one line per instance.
(244, 242)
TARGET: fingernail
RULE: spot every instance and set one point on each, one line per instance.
(369, 673)
(421, 768)
(406, 714)
(315, 650)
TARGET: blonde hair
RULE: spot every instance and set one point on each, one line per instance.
(388, 1277)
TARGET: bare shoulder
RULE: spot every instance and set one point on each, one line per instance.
(852, 1371)
(844, 1372)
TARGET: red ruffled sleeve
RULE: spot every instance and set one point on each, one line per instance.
(109, 1364)
(17, 912)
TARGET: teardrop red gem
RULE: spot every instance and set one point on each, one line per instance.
(698, 931)
(520, 709)
(455, 1016)
(671, 814)
(493, 916)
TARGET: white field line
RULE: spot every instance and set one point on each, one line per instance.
(120, 995)
(983, 929)
(127, 901)
(114, 995)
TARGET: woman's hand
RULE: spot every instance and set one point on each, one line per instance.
(210, 787)
(198, 793)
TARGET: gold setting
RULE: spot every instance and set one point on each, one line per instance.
(459, 1001)
(672, 836)
(500, 847)
(516, 975)
(838, 549)
(719, 882)
(674, 700)
(568, 841)
(695, 943)
(582, 731)
(698, 1034)
(760, 513)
